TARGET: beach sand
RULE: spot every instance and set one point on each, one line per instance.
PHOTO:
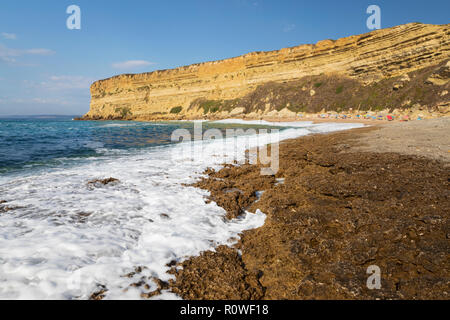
(430, 138)
(323, 120)
(340, 203)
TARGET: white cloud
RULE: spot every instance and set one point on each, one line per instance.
(132, 64)
(51, 94)
(9, 36)
(9, 55)
(37, 100)
(67, 82)
(50, 101)
(40, 52)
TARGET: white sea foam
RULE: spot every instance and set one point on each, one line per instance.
(66, 238)
(266, 123)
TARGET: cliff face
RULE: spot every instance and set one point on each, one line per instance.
(182, 92)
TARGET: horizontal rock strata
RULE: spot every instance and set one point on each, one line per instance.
(362, 59)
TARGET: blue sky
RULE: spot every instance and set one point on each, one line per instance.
(46, 68)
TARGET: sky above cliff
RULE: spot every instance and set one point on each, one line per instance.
(45, 68)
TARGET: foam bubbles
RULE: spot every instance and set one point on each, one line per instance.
(65, 239)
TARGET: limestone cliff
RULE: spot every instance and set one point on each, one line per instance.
(326, 74)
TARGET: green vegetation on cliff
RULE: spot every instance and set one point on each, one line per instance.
(337, 93)
(176, 110)
(124, 112)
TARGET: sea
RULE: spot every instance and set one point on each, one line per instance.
(64, 237)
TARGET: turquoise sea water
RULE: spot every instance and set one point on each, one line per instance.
(33, 142)
(30, 143)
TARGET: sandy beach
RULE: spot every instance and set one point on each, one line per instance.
(340, 202)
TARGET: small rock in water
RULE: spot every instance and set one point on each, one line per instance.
(161, 285)
(102, 182)
(4, 208)
(99, 294)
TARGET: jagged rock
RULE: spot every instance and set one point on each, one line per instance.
(405, 78)
(398, 86)
(5, 208)
(444, 107)
(440, 77)
(417, 106)
(286, 113)
(338, 211)
(237, 111)
(102, 182)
